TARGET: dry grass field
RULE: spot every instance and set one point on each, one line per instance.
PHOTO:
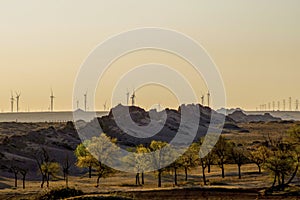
(124, 183)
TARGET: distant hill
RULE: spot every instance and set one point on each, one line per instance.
(240, 116)
(169, 129)
(284, 115)
(228, 111)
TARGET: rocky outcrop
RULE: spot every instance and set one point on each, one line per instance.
(170, 125)
(240, 117)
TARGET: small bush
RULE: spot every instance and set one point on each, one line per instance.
(60, 193)
(218, 183)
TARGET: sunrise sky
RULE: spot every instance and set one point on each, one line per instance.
(255, 44)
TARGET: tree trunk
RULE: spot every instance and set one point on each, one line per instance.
(48, 178)
(43, 180)
(24, 181)
(186, 173)
(259, 168)
(282, 181)
(208, 168)
(90, 171)
(143, 179)
(203, 175)
(137, 179)
(223, 173)
(294, 173)
(16, 179)
(67, 180)
(98, 180)
(274, 182)
(159, 178)
(239, 168)
(175, 176)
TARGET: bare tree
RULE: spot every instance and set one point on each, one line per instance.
(66, 167)
(15, 170)
(23, 172)
(258, 156)
(190, 158)
(281, 160)
(221, 151)
(47, 166)
(239, 156)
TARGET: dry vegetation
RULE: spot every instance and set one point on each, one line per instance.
(124, 183)
(260, 131)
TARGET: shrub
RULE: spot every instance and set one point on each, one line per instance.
(60, 193)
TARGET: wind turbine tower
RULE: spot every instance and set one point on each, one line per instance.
(133, 98)
(85, 101)
(104, 106)
(273, 105)
(77, 103)
(18, 98)
(283, 104)
(208, 98)
(127, 97)
(12, 102)
(290, 103)
(297, 104)
(278, 105)
(202, 100)
(51, 101)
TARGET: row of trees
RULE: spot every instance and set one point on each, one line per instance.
(47, 167)
(279, 155)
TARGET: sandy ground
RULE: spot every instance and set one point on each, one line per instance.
(125, 182)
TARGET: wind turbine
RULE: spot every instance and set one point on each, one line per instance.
(283, 104)
(133, 96)
(18, 98)
(290, 103)
(104, 106)
(127, 97)
(77, 103)
(297, 104)
(12, 102)
(202, 100)
(51, 100)
(208, 98)
(85, 101)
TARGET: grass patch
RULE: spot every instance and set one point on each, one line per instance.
(217, 183)
(60, 193)
(130, 185)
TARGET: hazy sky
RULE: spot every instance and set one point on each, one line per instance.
(255, 44)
